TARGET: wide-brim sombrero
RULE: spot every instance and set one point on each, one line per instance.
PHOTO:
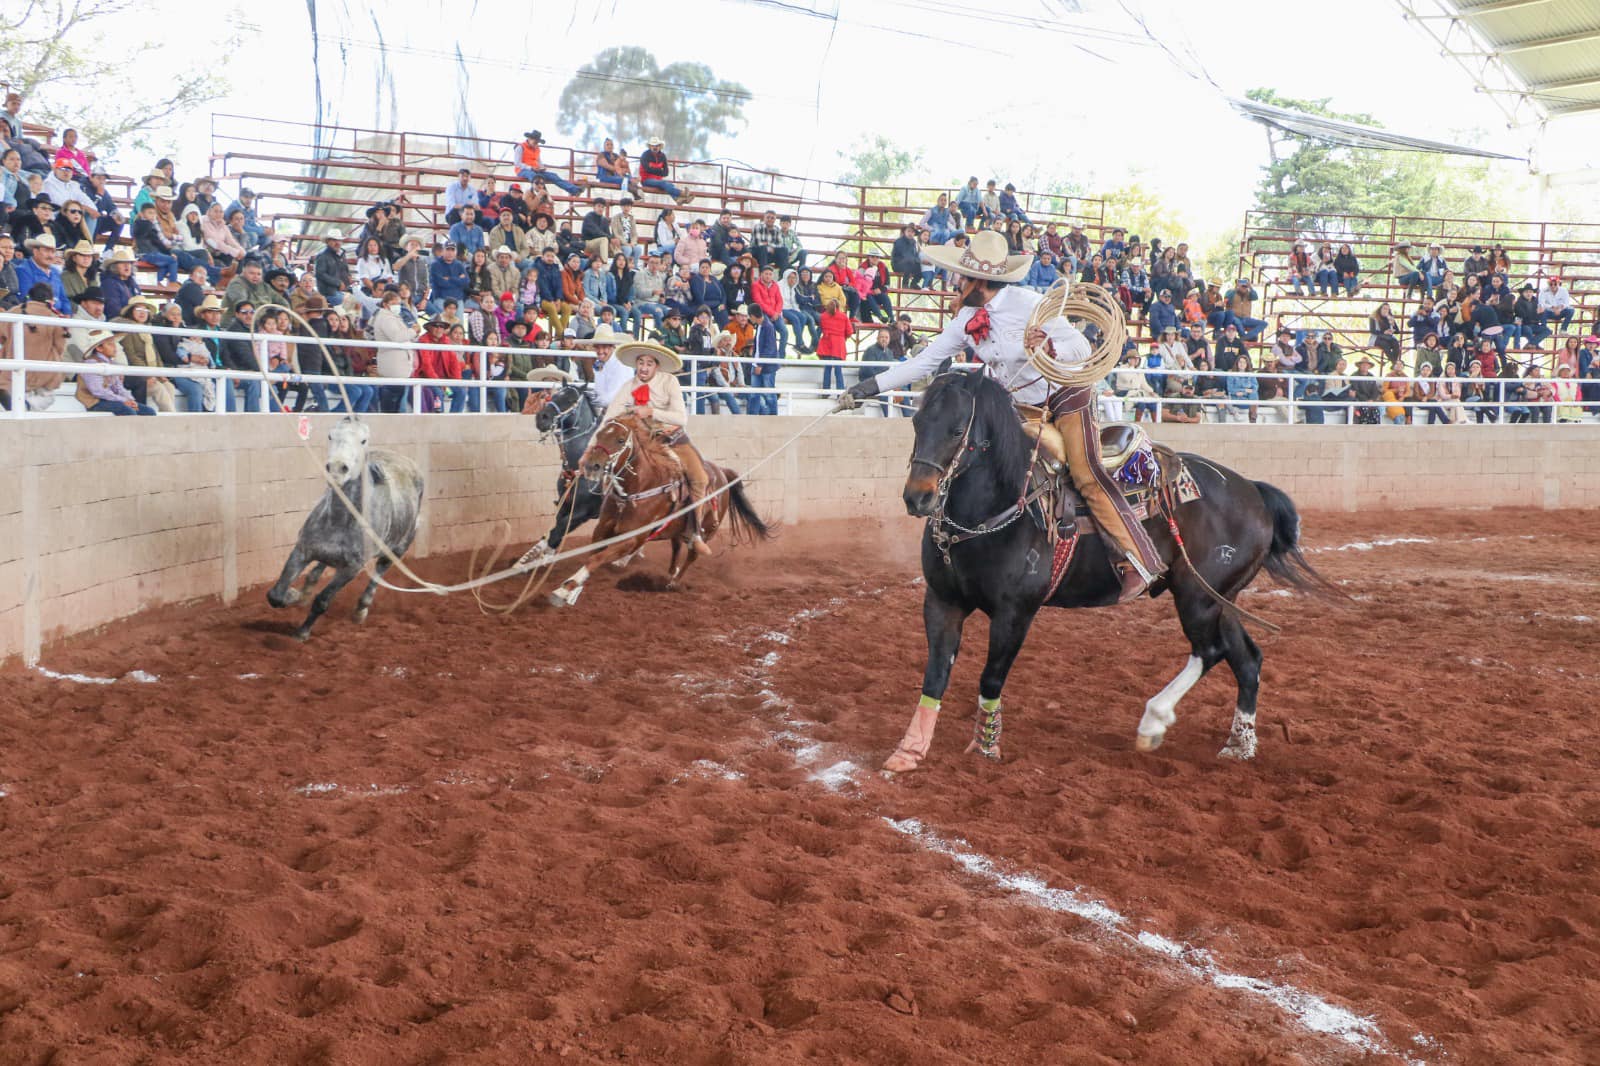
(984, 257)
(603, 334)
(550, 373)
(628, 354)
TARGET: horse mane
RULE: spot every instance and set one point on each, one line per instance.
(647, 445)
(1010, 449)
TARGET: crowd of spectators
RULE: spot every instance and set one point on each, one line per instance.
(544, 272)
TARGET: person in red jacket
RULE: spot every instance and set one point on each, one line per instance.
(836, 327)
(431, 363)
(765, 294)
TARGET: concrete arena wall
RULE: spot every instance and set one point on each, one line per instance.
(101, 518)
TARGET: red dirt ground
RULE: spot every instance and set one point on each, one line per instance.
(536, 847)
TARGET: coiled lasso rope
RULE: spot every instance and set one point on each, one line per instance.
(1084, 304)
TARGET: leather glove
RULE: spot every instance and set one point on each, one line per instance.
(861, 390)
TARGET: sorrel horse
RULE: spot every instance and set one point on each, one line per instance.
(969, 470)
(643, 484)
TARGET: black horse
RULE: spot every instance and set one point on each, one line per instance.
(969, 469)
(572, 414)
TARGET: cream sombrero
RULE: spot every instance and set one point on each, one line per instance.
(122, 254)
(985, 258)
(603, 334)
(629, 351)
(549, 373)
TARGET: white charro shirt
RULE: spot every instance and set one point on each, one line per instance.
(609, 378)
(1001, 352)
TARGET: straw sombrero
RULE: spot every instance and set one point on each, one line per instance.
(549, 373)
(122, 254)
(629, 352)
(603, 334)
(985, 258)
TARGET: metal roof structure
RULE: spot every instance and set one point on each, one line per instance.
(1538, 59)
(1351, 134)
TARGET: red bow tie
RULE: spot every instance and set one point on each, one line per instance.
(978, 326)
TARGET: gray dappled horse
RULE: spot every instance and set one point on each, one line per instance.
(386, 488)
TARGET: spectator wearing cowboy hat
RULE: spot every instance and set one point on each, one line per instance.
(81, 268)
(331, 269)
(530, 167)
(40, 269)
(32, 218)
(43, 343)
(105, 393)
(655, 172)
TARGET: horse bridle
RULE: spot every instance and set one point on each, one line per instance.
(560, 431)
(943, 539)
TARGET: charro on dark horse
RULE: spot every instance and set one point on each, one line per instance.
(996, 541)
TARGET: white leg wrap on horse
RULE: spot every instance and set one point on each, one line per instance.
(569, 590)
(1162, 709)
(1241, 738)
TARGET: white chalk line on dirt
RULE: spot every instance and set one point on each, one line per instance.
(137, 676)
(1311, 1011)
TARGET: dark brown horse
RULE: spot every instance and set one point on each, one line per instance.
(644, 484)
(981, 552)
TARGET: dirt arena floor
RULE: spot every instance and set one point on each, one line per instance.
(650, 829)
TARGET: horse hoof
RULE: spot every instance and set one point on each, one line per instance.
(1147, 744)
(360, 615)
(302, 635)
(558, 600)
(992, 754)
(291, 598)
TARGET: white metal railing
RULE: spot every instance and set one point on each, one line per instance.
(1291, 406)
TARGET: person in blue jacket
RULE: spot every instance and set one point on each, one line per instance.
(448, 278)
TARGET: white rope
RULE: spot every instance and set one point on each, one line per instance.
(424, 585)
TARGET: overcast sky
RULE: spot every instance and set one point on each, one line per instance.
(1019, 90)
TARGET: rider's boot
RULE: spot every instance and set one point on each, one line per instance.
(1135, 578)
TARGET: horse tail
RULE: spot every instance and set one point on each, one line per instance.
(746, 522)
(1284, 559)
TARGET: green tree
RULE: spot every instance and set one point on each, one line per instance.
(878, 160)
(1140, 211)
(75, 65)
(623, 93)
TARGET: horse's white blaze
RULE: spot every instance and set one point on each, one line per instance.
(1241, 738)
(1162, 709)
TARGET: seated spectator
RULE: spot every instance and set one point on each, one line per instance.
(608, 166)
(190, 246)
(71, 223)
(692, 247)
(655, 172)
(1243, 392)
(989, 204)
(793, 249)
(969, 201)
(940, 222)
(220, 242)
(733, 245)
(706, 291)
(36, 216)
(100, 391)
(448, 278)
(373, 263)
(331, 269)
(1348, 270)
(62, 185)
(1301, 269)
(906, 258)
(459, 194)
(246, 203)
(530, 168)
(42, 343)
(1383, 332)
(40, 269)
(503, 274)
(1555, 305)
(1042, 274)
(82, 269)
(466, 234)
(649, 289)
(152, 245)
(1009, 208)
(1433, 269)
